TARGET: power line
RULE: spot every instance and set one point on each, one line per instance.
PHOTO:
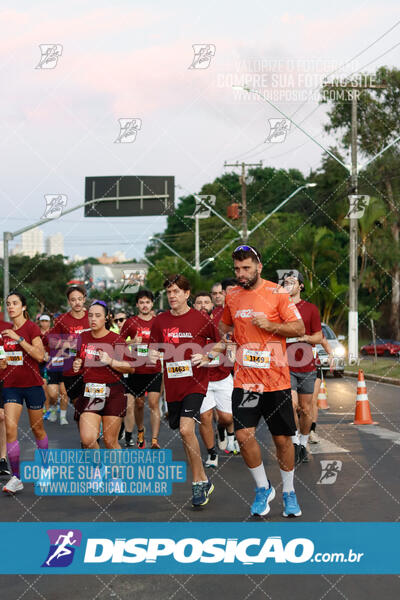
(332, 73)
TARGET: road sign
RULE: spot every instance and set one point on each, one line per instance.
(130, 196)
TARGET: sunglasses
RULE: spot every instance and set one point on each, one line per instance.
(247, 249)
(120, 320)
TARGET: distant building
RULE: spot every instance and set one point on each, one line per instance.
(32, 242)
(55, 244)
(118, 257)
(118, 276)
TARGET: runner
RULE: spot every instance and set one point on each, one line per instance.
(313, 437)
(66, 331)
(261, 318)
(4, 470)
(218, 298)
(301, 353)
(101, 358)
(129, 420)
(218, 295)
(182, 332)
(219, 393)
(44, 323)
(22, 381)
(147, 378)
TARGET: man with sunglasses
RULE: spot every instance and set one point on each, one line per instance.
(260, 316)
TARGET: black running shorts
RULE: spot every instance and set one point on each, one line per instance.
(188, 407)
(276, 408)
(74, 386)
(140, 383)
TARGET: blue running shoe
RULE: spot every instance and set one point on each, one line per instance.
(201, 492)
(261, 502)
(291, 507)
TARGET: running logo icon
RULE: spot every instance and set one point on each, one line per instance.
(62, 547)
(203, 53)
(330, 471)
(128, 129)
(358, 204)
(55, 203)
(50, 53)
(278, 131)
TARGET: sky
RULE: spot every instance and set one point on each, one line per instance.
(131, 60)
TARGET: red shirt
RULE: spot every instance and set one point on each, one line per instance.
(22, 370)
(139, 352)
(179, 337)
(222, 368)
(93, 370)
(3, 325)
(217, 313)
(66, 331)
(300, 354)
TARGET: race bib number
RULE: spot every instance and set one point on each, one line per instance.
(95, 390)
(142, 349)
(15, 358)
(182, 368)
(57, 361)
(2, 353)
(257, 359)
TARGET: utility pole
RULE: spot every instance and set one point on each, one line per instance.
(242, 180)
(356, 89)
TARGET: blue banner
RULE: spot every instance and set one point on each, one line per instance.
(201, 548)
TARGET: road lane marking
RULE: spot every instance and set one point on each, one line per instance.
(381, 432)
(325, 446)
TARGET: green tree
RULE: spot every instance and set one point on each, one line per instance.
(42, 280)
(378, 126)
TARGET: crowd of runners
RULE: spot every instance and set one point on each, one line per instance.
(222, 360)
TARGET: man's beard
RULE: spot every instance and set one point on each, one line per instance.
(249, 284)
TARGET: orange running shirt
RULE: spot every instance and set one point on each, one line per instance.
(261, 361)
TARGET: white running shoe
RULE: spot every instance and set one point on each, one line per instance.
(53, 416)
(230, 446)
(211, 462)
(221, 442)
(63, 421)
(236, 447)
(313, 438)
(13, 486)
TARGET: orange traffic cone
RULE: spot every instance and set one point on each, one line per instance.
(322, 400)
(363, 411)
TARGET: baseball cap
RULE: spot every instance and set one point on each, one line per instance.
(44, 318)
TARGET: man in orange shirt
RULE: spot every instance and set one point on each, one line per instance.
(261, 315)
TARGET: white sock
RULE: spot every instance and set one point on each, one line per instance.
(295, 438)
(304, 439)
(287, 480)
(63, 413)
(260, 476)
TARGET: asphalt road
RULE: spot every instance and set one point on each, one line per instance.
(367, 488)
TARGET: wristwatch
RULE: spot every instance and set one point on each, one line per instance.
(210, 356)
(21, 339)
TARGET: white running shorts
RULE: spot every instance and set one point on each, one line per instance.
(219, 395)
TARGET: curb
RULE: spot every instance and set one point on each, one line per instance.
(378, 378)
